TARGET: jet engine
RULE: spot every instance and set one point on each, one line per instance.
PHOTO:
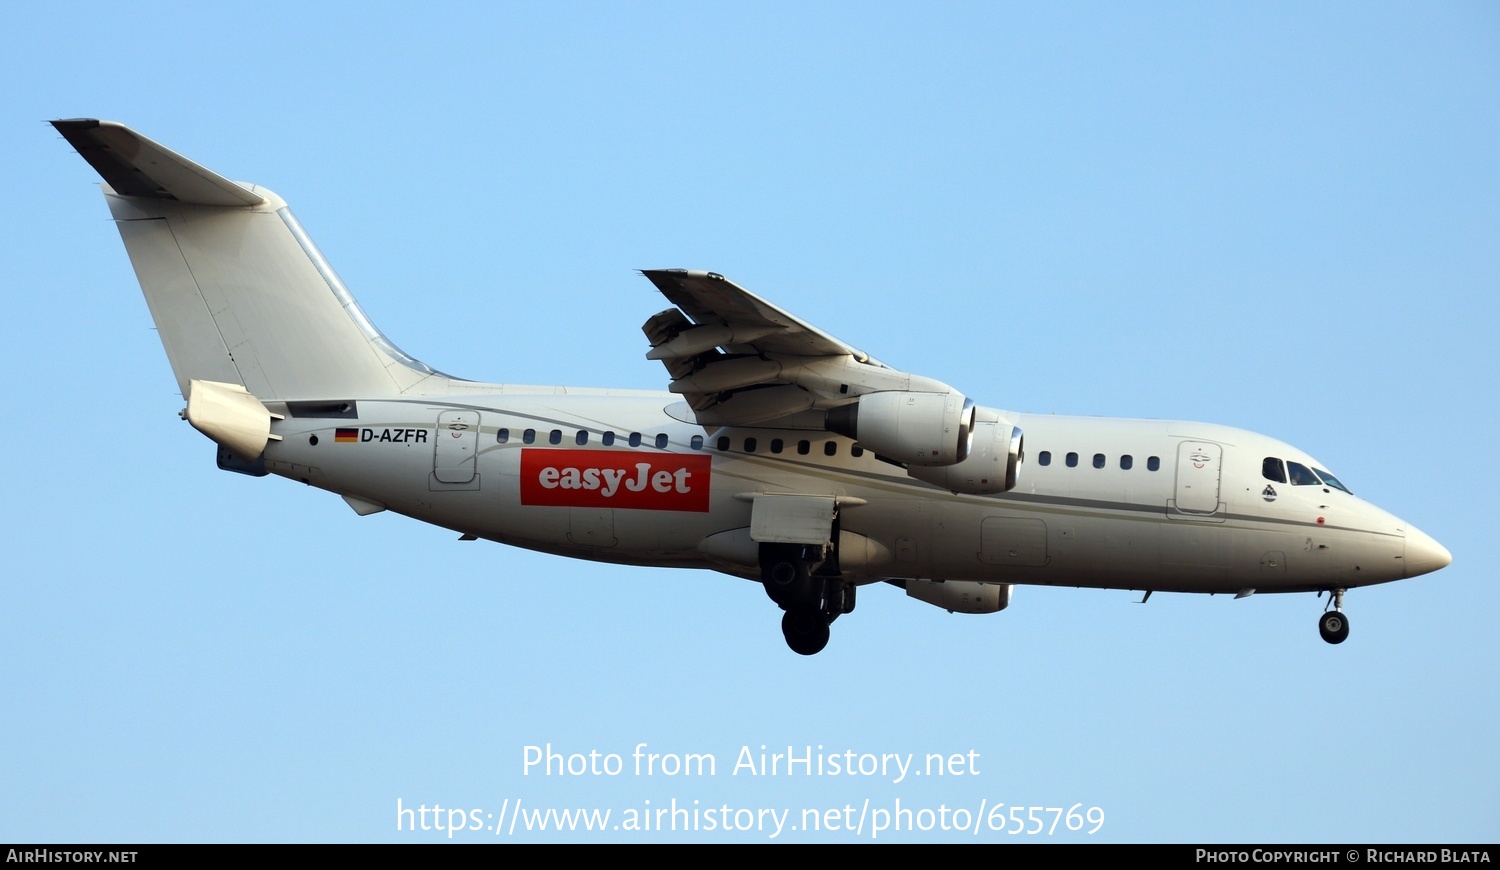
(923, 429)
(959, 596)
(991, 467)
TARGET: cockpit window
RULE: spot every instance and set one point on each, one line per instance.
(1272, 469)
(1331, 480)
(1302, 475)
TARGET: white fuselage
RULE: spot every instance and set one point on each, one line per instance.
(1141, 504)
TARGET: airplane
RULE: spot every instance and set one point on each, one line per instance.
(778, 453)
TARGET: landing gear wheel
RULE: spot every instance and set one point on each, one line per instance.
(787, 577)
(1333, 626)
(806, 631)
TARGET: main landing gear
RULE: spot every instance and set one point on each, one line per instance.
(1333, 625)
(803, 582)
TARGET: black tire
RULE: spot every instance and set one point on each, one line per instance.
(786, 581)
(786, 577)
(1333, 626)
(806, 631)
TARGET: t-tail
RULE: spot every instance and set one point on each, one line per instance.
(240, 295)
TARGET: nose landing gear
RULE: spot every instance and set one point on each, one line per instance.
(1333, 626)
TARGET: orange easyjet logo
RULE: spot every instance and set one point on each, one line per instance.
(614, 478)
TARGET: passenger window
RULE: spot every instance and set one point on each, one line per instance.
(776, 445)
(529, 436)
(1153, 463)
(608, 438)
(582, 437)
(635, 439)
(722, 442)
(1072, 460)
(1272, 469)
(830, 448)
(1302, 475)
(1126, 462)
(1044, 458)
(697, 442)
(750, 445)
(661, 441)
(1098, 460)
(554, 437)
(803, 447)
(856, 451)
(502, 435)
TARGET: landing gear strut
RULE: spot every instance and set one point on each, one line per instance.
(1333, 625)
(794, 577)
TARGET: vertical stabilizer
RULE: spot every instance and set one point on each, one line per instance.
(239, 293)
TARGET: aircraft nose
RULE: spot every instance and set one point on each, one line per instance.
(1423, 554)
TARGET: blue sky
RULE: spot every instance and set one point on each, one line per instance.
(1273, 216)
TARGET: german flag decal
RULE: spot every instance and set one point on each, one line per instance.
(346, 436)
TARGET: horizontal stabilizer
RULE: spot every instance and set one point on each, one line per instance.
(136, 166)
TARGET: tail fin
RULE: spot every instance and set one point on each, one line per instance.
(239, 293)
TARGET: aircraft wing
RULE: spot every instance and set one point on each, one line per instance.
(711, 299)
(738, 360)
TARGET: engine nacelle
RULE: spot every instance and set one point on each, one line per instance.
(992, 466)
(925, 429)
(961, 596)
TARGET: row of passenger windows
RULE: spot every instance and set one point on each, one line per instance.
(1127, 462)
(777, 445)
(608, 439)
(1273, 468)
(1297, 474)
(636, 439)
